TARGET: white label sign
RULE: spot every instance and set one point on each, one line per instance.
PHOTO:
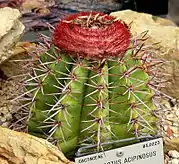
(141, 153)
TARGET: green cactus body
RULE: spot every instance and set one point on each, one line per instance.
(70, 114)
(130, 98)
(45, 79)
(95, 126)
(84, 99)
(120, 100)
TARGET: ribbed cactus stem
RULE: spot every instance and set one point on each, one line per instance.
(71, 101)
(50, 67)
(95, 127)
(131, 98)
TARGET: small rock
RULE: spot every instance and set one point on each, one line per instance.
(169, 162)
(173, 154)
(174, 161)
(172, 144)
(165, 127)
(5, 124)
(170, 116)
(175, 135)
(174, 129)
(177, 113)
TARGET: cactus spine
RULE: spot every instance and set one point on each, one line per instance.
(92, 85)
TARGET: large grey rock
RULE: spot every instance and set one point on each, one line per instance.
(11, 30)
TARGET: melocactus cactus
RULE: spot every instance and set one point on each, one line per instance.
(92, 85)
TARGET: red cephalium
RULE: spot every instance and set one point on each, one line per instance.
(92, 35)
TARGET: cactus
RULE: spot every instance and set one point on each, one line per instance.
(92, 85)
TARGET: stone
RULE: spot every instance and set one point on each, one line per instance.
(163, 32)
(22, 148)
(172, 144)
(173, 154)
(3, 161)
(11, 30)
(174, 161)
